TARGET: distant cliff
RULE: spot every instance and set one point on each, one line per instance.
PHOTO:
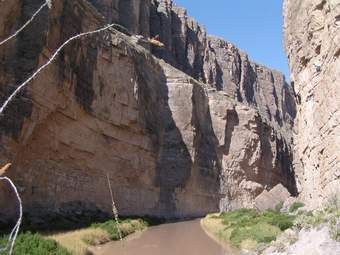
(184, 130)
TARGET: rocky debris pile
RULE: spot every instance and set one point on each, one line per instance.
(314, 231)
(315, 241)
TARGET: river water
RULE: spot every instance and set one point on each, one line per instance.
(183, 238)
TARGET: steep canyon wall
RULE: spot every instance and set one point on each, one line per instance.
(184, 130)
(312, 38)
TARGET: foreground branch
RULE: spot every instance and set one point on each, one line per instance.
(47, 3)
(14, 233)
(21, 86)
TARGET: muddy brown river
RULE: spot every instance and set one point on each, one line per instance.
(183, 238)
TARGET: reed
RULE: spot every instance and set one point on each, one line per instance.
(114, 209)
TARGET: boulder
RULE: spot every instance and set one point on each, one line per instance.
(269, 199)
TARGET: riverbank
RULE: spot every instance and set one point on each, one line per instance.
(274, 232)
(246, 228)
(75, 242)
(213, 227)
(78, 241)
(283, 231)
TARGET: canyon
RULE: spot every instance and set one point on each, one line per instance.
(180, 130)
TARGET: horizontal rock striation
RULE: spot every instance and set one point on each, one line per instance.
(312, 44)
(178, 135)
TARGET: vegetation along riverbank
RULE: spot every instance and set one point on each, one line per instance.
(75, 242)
(277, 231)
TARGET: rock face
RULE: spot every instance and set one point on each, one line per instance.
(312, 43)
(219, 64)
(180, 131)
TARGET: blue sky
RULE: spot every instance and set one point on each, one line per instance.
(255, 26)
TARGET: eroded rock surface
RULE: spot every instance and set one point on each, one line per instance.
(179, 136)
(312, 38)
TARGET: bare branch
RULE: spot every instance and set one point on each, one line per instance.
(21, 86)
(14, 233)
(27, 23)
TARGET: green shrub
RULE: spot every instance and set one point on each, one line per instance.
(34, 244)
(310, 219)
(239, 218)
(281, 220)
(309, 213)
(313, 219)
(110, 227)
(279, 206)
(247, 227)
(248, 217)
(260, 232)
(295, 206)
(334, 202)
(248, 224)
(334, 225)
(336, 234)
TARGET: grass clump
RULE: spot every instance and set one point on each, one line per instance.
(249, 217)
(281, 220)
(75, 241)
(247, 226)
(127, 227)
(279, 206)
(295, 206)
(260, 232)
(238, 218)
(309, 219)
(34, 244)
(334, 227)
(78, 241)
(329, 215)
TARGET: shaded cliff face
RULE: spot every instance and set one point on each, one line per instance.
(175, 141)
(312, 43)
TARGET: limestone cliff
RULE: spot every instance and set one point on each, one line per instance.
(312, 39)
(185, 130)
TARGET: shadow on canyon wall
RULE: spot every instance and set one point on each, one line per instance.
(175, 163)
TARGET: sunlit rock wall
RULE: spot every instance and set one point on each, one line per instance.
(312, 39)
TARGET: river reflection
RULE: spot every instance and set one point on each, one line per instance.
(184, 238)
